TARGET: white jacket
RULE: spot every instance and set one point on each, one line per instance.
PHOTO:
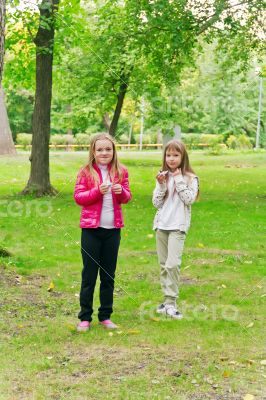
(187, 187)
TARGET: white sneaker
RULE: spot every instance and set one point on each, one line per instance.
(172, 312)
(161, 309)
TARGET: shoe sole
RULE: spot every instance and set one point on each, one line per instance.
(85, 329)
(161, 311)
(174, 317)
(109, 327)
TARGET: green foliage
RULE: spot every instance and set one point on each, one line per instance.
(24, 139)
(239, 142)
(163, 55)
(82, 138)
(61, 139)
(20, 107)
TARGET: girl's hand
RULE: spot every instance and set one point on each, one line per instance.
(161, 178)
(177, 172)
(104, 188)
(117, 188)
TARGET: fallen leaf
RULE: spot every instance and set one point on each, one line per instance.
(223, 286)
(250, 362)
(110, 334)
(18, 279)
(51, 287)
(224, 358)
(263, 362)
(201, 245)
(119, 332)
(49, 357)
(155, 319)
(150, 236)
(250, 325)
(226, 374)
(248, 397)
(133, 332)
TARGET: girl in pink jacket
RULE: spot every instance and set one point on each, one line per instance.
(101, 187)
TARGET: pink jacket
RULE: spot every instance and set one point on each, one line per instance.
(87, 194)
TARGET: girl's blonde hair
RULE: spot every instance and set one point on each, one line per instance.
(180, 148)
(115, 170)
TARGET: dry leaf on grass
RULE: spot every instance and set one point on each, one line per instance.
(133, 332)
(51, 287)
(250, 325)
(226, 374)
(248, 397)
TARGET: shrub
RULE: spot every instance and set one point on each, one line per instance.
(62, 139)
(217, 149)
(244, 142)
(82, 138)
(232, 142)
(24, 139)
(147, 138)
(211, 139)
(239, 142)
(123, 139)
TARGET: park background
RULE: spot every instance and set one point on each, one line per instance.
(137, 70)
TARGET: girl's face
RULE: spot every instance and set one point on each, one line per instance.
(173, 159)
(103, 152)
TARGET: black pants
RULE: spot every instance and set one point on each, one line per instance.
(99, 249)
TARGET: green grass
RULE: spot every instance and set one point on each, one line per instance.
(215, 352)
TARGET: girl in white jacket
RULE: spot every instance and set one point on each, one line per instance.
(177, 187)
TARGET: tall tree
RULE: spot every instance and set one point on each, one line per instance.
(2, 35)
(142, 46)
(6, 141)
(39, 181)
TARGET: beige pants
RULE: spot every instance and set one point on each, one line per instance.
(170, 246)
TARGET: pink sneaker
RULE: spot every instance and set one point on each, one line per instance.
(108, 324)
(83, 326)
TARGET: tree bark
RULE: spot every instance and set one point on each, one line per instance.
(39, 181)
(6, 140)
(2, 35)
(106, 121)
(120, 100)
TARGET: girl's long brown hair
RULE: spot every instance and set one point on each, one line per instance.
(185, 165)
(180, 148)
(115, 170)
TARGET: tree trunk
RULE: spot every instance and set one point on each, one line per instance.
(6, 141)
(106, 121)
(2, 35)
(39, 181)
(120, 100)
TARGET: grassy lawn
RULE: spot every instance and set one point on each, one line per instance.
(216, 352)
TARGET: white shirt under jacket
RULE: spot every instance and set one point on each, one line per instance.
(174, 209)
(107, 215)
